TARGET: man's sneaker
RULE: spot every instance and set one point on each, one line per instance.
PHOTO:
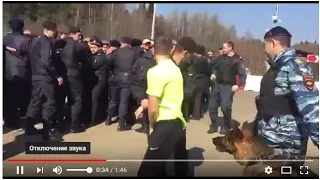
(136, 126)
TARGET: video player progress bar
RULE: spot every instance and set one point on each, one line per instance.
(153, 160)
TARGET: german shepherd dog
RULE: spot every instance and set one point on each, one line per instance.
(252, 154)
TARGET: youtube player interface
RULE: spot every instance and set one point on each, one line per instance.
(130, 90)
(94, 160)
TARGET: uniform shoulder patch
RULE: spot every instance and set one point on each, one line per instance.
(308, 82)
(299, 61)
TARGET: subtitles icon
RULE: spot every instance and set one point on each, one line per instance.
(286, 170)
(57, 170)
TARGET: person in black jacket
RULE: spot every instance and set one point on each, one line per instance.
(227, 67)
(139, 86)
(122, 62)
(136, 46)
(17, 75)
(202, 75)
(100, 65)
(74, 55)
(44, 79)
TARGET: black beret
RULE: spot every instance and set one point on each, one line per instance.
(301, 53)
(188, 44)
(277, 31)
(49, 25)
(74, 30)
(96, 41)
(136, 42)
(126, 40)
(115, 43)
(16, 24)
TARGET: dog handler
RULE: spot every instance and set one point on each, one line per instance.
(288, 104)
(167, 124)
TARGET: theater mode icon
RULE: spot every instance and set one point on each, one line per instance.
(39, 170)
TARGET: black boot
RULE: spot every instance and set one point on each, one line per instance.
(28, 126)
(76, 128)
(226, 127)
(51, 137)
(122, 125)
(108, 121)
(212, 129)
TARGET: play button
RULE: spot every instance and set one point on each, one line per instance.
(39, 170)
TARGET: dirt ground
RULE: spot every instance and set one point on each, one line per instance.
(129, 148)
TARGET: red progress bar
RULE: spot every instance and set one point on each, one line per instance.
(57, 160)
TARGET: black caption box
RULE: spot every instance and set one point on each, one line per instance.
(57, 148)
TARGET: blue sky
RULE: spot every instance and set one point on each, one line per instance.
(301, 20)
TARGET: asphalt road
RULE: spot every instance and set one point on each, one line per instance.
(126, 149)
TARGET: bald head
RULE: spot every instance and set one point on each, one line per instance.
(27, 32)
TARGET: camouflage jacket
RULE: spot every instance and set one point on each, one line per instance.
(289, 134)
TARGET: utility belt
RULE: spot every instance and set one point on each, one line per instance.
(271, 106)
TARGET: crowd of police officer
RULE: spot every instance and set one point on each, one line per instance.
(70, 82)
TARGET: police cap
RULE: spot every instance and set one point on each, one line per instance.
(188, 44)
(74, 30)
(136, 42)
(16, 24)
(277, 31)
(96, 41)
(115, 43)
(49, 25)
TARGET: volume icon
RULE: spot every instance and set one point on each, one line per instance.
(39, 170)
(57, 170)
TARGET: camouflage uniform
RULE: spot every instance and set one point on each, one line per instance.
(288, 134)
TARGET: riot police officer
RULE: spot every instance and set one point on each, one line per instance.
(44, 79)
(202, 74)
(122, 62)
(17, 84)
(73, 55)
(225, 71)
(100, 65)
(139, 86)
(288, 103)
(211, 59)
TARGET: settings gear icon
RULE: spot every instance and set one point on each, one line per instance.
(268, 170)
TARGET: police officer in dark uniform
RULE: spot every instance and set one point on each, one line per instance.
(136, 46)
(87, 77)
(122, 62)
(44, 79)
(202, 75)
(139, 85)
(17, 85)
(100, 65)
(61, 122)
(225, 71)
(211, 58)
(73, 55)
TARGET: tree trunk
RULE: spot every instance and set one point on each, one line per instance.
(111, 21)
